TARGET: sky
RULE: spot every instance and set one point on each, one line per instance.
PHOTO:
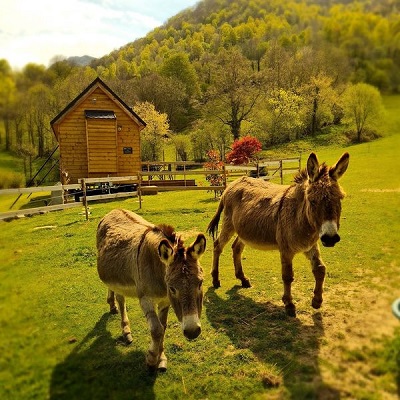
(38, 30)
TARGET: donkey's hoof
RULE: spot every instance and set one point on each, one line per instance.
(128, 338)
(113, 310)
(290, 310)
(217, 284)
(152, 369)
(162, 365)
(316, 303)
(246, 283)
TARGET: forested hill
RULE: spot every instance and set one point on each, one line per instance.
(274, 69)
(367, 32)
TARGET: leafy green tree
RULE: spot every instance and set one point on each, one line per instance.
(234, 91)
(7, 100)
(363, 108)
(168, 96)
(179, 67)
(154, 133)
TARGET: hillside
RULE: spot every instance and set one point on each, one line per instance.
(346, 41)
(224, 69)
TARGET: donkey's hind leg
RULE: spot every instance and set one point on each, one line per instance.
(111, 302)
(287, 278)
(226, 234)
(126, 329)
(237, 250)
(319, 270)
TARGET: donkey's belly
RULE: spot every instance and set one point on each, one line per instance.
(127, 291)
(260, 245)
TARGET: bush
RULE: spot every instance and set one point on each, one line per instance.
(11, 180)
(244, 150)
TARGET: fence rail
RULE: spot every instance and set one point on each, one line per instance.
(154, 173)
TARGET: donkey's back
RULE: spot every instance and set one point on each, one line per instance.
(118, 238)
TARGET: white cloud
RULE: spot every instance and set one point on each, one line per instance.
(35, 31)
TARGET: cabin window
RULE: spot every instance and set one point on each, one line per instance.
(127, 150)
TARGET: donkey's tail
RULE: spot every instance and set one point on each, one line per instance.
(212, 228)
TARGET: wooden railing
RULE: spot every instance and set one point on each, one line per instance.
(158, 176)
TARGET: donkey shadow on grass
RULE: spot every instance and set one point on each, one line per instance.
(95, 369)
(275, 339)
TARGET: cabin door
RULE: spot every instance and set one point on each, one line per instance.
(102, 145)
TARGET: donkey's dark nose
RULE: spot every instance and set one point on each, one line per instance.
(330, 241)
(192, 333)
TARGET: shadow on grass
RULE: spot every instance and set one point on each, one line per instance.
(96, 370)
(275, 339)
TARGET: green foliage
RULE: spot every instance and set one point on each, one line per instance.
(153, 134)
(11, 180)
(273, 70)
(363, 109)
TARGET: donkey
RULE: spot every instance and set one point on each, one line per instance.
(291, 219)
(138, 259)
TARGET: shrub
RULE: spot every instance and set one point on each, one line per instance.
(244, 150)
(214, 163)
(11, 180)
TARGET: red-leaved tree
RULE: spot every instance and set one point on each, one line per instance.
(244, 150)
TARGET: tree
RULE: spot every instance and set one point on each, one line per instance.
(168, 96)
(363, 108)
(244, 150)
(179, 67)
(234, 90)
(156, 130)
(7, 100)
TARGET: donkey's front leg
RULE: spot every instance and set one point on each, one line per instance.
(287, 278)
(319, 270)
(237, 250)
(163, 316)
(156, 331)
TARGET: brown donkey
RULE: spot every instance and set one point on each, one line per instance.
(291, 219)
(138, 259)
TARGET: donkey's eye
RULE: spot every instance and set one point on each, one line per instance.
(172, 290)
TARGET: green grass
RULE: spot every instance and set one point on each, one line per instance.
(57, 340)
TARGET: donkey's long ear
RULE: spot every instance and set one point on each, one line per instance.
(198, 247)
(312, 167)
(340, 167)
(166, 252)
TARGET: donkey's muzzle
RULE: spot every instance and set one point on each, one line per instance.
(192, 333)
(191, 326)
(330, 240)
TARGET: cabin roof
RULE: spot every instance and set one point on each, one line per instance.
(102, 114)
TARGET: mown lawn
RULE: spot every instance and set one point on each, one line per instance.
(57, 340)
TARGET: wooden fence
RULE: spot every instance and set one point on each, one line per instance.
(154, 177)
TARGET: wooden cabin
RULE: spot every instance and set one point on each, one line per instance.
(98, 135)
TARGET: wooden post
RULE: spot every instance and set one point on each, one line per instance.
(224, 175)
(281, 167)
(140, 189)
(84, 198)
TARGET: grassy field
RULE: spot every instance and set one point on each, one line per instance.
(57, 340)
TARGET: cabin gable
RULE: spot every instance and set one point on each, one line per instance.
(98, 135)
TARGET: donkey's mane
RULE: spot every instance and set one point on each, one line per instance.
(169, 232)
(302, 176)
